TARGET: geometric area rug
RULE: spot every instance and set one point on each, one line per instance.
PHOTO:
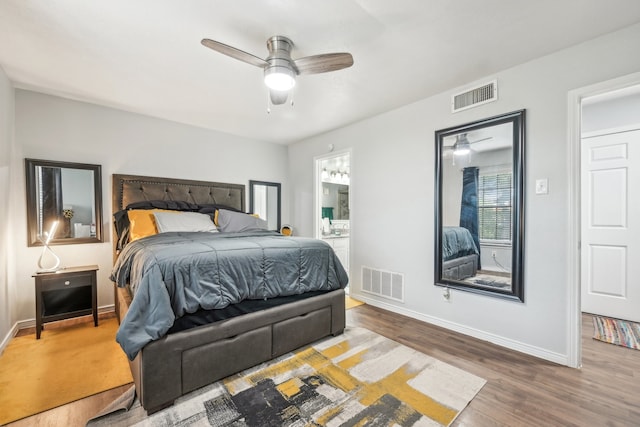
(358, 378)
(619, 332)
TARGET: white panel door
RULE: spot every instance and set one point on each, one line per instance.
(610, 255)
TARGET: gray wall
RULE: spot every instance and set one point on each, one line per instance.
(52, 128)
(393, 155)
(6, 143)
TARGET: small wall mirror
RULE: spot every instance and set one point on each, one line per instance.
(480, 206)
(264, 200)
(70, 193)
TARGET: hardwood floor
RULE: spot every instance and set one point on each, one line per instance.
(74, 414)
(521, 390)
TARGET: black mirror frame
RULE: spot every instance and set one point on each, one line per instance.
(252, 185)
(31, 190)
(517, 262)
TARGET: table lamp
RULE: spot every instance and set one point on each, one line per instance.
(48, 235)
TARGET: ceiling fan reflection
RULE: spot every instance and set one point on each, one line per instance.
(462, 146)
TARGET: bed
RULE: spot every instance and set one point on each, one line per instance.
(167, 364)
(459, 254)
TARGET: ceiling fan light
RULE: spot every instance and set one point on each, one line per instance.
(279, 78)
(462, 145)
(461, 151)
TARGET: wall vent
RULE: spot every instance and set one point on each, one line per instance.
(474, 97)
(386, 284)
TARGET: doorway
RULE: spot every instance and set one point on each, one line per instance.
(332, 213)
(610, 234)
(594, 120)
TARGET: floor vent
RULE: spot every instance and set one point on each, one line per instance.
(473, 97)
(383, 283)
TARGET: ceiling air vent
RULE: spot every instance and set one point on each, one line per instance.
(474, 97)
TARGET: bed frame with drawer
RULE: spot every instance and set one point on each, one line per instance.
(181, 362)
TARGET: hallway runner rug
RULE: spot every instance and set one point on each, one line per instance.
(355, 379)
(619, 332)
(64, 365)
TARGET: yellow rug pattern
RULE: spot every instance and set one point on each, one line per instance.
(64, 365)
(358, 378)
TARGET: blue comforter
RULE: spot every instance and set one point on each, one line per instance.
(457, 242)
(171, 274)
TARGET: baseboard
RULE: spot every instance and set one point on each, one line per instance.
(12, 333)
(521, 347)
(31, 323)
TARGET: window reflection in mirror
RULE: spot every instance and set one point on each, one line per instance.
(69, 193)
(479, 213)
(264, 200)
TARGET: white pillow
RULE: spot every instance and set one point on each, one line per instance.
(235, 222)
(183, 221)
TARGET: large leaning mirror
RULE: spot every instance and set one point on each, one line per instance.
(480, 206)
(69, 193)
(264, 200)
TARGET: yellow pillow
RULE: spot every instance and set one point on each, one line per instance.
(142, 223)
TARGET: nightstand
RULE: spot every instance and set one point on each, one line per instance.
(66, 293)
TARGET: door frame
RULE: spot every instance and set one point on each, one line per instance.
(317, 193)
(574, 309)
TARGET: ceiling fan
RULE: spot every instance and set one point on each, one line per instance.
(280, 70)
(462, 145)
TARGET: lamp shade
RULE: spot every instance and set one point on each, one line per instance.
(279, 78)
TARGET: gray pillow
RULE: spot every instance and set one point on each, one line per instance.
(183, 221)
(234, 222)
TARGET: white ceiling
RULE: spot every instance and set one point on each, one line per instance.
(145, 56)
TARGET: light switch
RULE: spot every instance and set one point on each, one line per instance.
(542, 186)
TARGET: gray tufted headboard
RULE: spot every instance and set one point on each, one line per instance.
(127, 189)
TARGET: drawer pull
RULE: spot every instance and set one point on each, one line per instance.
(67, 283)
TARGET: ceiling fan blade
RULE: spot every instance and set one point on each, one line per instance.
(234, 53)
(278, 97)
(480, 140)
(323, 63)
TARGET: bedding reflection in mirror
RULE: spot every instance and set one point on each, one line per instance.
(479, 206)
(264, 201)
(65, 192)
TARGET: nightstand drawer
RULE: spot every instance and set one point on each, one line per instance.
(67, 281)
